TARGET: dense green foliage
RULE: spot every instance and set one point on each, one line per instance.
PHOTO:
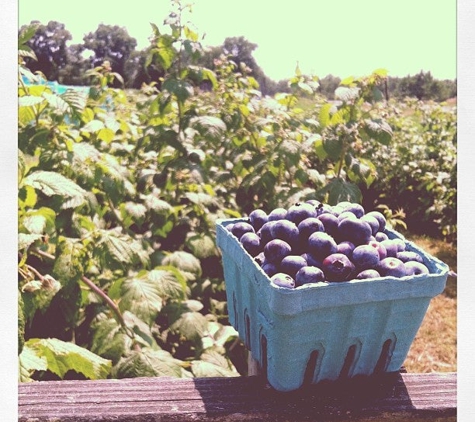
(120, 190)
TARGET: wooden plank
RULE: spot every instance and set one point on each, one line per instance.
(391, 396)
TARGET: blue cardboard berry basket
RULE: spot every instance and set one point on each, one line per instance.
(329, 331)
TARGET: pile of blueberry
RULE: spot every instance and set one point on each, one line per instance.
(311, 242)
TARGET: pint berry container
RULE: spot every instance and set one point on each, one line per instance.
(325, 332)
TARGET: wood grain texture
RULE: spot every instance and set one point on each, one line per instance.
(397, 396)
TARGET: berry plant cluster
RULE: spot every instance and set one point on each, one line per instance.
(312, 242)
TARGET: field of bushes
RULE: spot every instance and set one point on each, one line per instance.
(119, 192)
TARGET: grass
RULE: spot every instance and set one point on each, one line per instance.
(435, 347)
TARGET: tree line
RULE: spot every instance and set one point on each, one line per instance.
(68, 64)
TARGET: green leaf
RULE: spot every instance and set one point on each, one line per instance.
(120, 248)
(30, 100)
(340, 190)
(142, 297)
(68, 265)
(39, 221)
(191, 325)
(25, 239)
(209, 127)
(185, 262)
(324, 114)
(211, 76)
(202, 246)
(51, 183)
(377, 129)
(333, 147)
(346, 94)
(62, 357)
(181, 89)
(110, 340)
(29, 362)
(148, 363)
(213, 364)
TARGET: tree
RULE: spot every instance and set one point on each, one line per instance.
(78, 61)
(50, 47)
(111, 43)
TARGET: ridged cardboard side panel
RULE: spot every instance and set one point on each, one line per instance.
(316, 333)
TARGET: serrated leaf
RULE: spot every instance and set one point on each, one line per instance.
(51, 183)
(213, 366)
(62, 357)
(110, 340)
(142, 297)
(191, 325)
(209, 127)
(158, 205)
(148, 363)
(181, 89)
(347, 94)
(27, 239)
(202, 246)
(120, 248)
(184, 261)
(378, 130)
(340, 190)
(30, 100)
(29, 362)
(93, 126)
(39, 221)
(68, 264)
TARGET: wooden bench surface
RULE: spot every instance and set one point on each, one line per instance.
(395, 396)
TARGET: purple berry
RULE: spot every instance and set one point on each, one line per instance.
(283, 280)
(277, 214)
(406, 256)
(391, 267)
(353, 207)
(337, 267)
(285, 230)
(373, 222)
(307, 227)
(356, 231)
(265, 232)
(330, 223)
(415, 268)
(309, 274)
(380, 236)
(290, 264)
(276, 250)
(345, 247)
(379, 247)
(380, 217)
(365, 257)
(321, 244)
(240, 228)
(369, 273)
(251, 243)
(270, 268)
(300, 211)
(257, 218)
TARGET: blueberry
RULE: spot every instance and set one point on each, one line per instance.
(251, 243)
(346, 214)
(356, 231)
(283, 280)
(355, 208)
(290, 264)
(390, 246)
(380, 217)
(373, 222)
(337, 267)
(330, 223)
(321, 244)
(311, 260)
(345, 247)
(391, 266)
(380, 236)
(265, 232)
(257, 218)
(365, 257)
(270, 268)
(229, 227)
(300, 211)
(277, 214)
(276, 250)
(240, 228)
(285, 230)
(369, 273)
(406, 256)
(415, 268)
(309, 274)
(307, 227)
(379, 247)
(260, 258)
